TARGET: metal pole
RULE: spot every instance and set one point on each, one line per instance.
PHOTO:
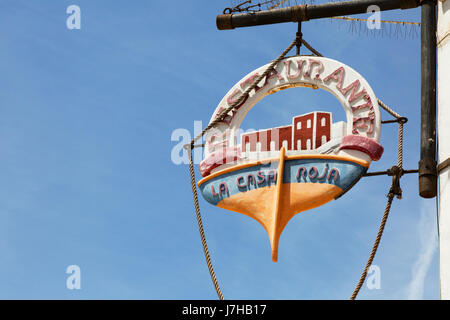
(443, 53)
(308, 12)
(427, 163)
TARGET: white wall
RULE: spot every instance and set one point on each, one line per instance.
(443, 51)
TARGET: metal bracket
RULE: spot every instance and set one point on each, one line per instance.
(427, 178)
(443, 165)
(396, 173)
(401, 120)
(427, 166)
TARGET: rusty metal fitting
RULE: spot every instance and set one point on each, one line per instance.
(298, 13)
(427, 178)
(402, 120)
(223, 22)
(396, 172)
(427, 166)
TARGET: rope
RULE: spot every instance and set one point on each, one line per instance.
(243, 95)
(317, 53)
(189, 148)
(375, 246)
(389, 110)
(396, 171)
(395, 190)
(400, 145)
(200, 227)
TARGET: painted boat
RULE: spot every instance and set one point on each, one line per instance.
(287, 186)
(275, 173)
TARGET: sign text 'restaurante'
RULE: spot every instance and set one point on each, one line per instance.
(312, 71)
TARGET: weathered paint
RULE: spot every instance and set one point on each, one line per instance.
(366, 145)
(286, 179)
(348, 86)
(306, 182)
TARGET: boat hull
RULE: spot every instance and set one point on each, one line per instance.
(272, 192)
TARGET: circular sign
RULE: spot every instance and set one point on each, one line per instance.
(362, 130)
(273, 174)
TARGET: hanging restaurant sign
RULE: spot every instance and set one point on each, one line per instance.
(273, 174)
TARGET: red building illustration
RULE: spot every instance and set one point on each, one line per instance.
(307, 132)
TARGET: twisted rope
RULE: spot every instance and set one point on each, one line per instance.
(393, 190)
(200, 227)
(190, 146)
(245, 94)
(310, 48)
(389, 110)
(375, 246)
(400, 145)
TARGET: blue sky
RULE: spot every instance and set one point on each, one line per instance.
(86, 123)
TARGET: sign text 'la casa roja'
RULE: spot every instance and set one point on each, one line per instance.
(265, 178)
